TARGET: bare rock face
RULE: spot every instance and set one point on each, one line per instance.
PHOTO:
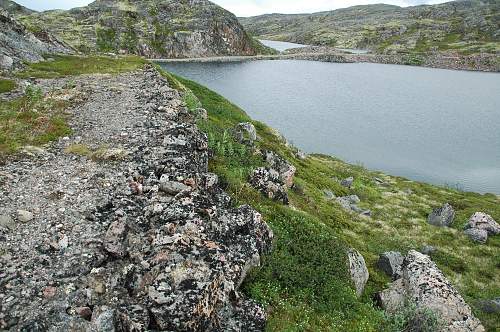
(155, 29)
(285, 170)
(423, 283)
(147, 242)
(18, 44)
(480, 220)
(358, 270)
(442, 217)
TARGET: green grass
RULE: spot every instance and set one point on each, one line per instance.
(66, 65)
(304, 281)
(33, 119)
(7, 85)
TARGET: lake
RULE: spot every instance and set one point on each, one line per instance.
(432, 125)
(280, 46)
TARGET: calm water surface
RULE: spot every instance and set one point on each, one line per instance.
(438, 126)
(280, 46)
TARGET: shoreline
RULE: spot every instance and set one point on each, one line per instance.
(482, 64)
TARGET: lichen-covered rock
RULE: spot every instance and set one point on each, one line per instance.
(480, 220)
(347, 182)
(245, 133)
(358, 270)
(424, 284)
(147, 242)
(442, 217)
(268, 181)
(390, 262)
(477, 235)
(285, 170)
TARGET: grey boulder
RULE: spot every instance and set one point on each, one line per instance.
(390, 262)
(477, 235)
(347, 182)
(245, 133)
(442, 217)
(358, 270)
(24, 216)
(480, 220)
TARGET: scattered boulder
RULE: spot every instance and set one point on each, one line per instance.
(480, 220)
(201, 113)
(490, 306)
(329, 195)
(358, 270)
(424, 284)
(349, 203)
(477, 235)
(428, 250)
(245, 133)
(268, 182)
(442, 217)
(390, 262)
(24, 216)
(285, 170)
(347, 182)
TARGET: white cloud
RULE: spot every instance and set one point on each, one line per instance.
(248, 7)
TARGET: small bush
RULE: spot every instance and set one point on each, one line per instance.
(411, 318)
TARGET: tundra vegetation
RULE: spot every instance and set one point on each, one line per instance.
(304, 282)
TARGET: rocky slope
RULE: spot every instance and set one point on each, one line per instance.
(136, 236)
(466, 27)
(176, 29)
(18, 44)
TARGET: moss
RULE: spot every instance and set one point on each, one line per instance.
(7, 85)
(33, 119)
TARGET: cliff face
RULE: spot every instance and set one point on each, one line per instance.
(460, 26)
(18, 44)
(178, 28)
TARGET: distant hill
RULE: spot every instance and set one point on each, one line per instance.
(152, 28)
(467, 27)
(14, 8)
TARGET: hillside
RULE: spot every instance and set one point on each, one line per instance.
(168, 28)
(18, 44)
(142, 211)
(466, 27)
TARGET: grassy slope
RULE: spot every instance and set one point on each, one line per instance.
(7, 85)
(304, 281)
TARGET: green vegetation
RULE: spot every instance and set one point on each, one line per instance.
(106, 39)
(304, 280)
(66, 65)
(33, 119)
(7, 85)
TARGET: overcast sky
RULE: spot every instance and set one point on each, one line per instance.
(248, 7)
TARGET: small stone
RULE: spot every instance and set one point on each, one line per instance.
(477, 235)
(173, 187)
(24, 216)
(329, 195)
(49, 292)
(347, 182)
(84, 312)
(6, 222)
(246, 133)
(428, 250)
(442, 217)
(114, 241)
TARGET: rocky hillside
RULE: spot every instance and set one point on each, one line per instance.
(155, 29)
(467, 27)
(14, 8)
(18, 44)
(144, 201)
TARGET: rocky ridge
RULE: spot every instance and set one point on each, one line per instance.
(18, 44)
(155, 29)
(141, 238)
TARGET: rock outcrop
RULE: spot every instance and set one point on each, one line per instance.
(442, 217)
(18, 44)
(155, 29)
(424, 284)
(390, 262)
(145, 242)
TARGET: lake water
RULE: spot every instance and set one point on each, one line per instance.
(432, 125)
(280, 46)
